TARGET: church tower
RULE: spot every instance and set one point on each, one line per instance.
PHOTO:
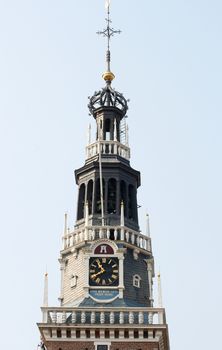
(106, 263)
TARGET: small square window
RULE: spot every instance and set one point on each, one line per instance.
(126, 334)
(136, 334)
(97, 335)
(136, 281)
(116, 333)
(59, 333)
(102, 347)
(145, 334)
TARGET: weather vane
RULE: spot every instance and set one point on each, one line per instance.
(108, 32)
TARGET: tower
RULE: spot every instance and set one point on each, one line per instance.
(106, 263)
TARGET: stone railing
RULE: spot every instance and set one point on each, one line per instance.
(116, 233)
(102, 316)
(109, 148)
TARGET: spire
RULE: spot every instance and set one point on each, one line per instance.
(65, 224)
(148, 225)
(160, 301)
(108, 97)
(45, 296)
(108, 76)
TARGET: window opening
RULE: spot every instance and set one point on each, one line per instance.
(81, 203)
(107, 130)
(136, 281)
(89, 195)
(123, 194)
(98, 197)
(111, 196)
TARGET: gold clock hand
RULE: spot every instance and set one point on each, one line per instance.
(99, 264)
(98, 273)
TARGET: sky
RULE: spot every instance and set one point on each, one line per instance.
(167, 61)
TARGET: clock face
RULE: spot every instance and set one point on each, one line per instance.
(104, 271)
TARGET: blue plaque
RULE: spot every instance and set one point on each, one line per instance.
(104, 294)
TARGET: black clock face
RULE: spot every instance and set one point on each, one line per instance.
(104, 271)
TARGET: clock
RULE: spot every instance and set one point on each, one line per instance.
(104, 271)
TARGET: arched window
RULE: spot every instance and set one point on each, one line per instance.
(111, 204)
(81, 203)
(136, 281)
(107, 130)
(130, 202)
(123, 195)
(98, 196)
(89, 195)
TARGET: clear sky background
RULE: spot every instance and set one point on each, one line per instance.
(168, 62)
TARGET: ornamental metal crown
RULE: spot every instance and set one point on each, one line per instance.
(106, 98)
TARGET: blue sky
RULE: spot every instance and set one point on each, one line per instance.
(168, 62)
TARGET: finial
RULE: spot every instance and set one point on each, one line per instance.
(160, 301)
(89, 134)
(127, 134)
(148, 225)
(115, 130)
(86, 214)
(122, 221)
(65, 224)
(108, 76)
(45, 296)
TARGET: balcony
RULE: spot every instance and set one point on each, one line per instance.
(102, 316)
(108, 148)
(116, 233)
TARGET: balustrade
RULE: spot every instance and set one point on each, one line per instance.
(108, 148)
(63, 315)
(120, 233)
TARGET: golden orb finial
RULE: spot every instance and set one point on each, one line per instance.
(108, 76)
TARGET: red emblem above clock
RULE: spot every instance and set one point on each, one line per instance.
(104, 249)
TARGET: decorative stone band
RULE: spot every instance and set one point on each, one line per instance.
(121, 316)
(120, 233)
(108, 148)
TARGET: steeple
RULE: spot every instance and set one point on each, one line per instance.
(106, 262)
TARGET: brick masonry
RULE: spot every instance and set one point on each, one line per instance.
(70, 345)
(91, 346)
(134, 346)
